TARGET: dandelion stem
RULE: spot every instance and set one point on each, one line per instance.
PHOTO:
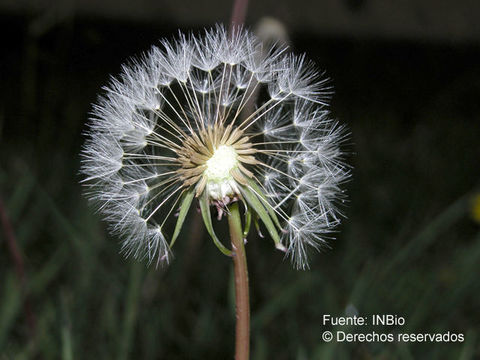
(242, 305)
(242, 300)
(239, 13)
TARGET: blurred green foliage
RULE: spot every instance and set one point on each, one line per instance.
(408, 245)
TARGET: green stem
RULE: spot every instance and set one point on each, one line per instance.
(242, 305)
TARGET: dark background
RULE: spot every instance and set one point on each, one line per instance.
(407, 84)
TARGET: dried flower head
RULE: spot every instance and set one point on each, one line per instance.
(173, 127)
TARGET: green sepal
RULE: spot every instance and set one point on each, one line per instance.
(248, 221)
(253, 184)
(256, 204)
(186, 202)
(257, 225)
(207, 220)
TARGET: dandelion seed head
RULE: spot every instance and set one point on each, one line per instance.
(174, 122)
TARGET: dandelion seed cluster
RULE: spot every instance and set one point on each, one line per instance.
(175, 121)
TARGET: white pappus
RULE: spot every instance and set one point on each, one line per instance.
(178, 124)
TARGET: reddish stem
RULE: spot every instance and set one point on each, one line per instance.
(239, 13)
(242, 300)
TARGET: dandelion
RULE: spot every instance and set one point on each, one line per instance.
(171, 132)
